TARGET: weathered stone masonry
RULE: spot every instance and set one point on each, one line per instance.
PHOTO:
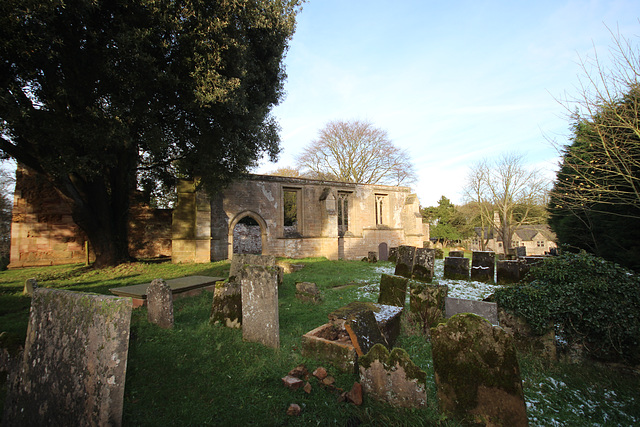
(332, 219)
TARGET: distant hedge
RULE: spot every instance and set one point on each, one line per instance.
(591, 301)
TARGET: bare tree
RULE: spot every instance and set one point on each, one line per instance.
(600, 170)
(356, 151)
(505, 189)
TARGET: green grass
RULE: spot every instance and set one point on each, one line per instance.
(198, 374)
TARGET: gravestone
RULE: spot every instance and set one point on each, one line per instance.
(372, 257)
(226, 308)
(29, 285)
(393, 290)
(521, 251)
(404, 264)
(510, 271)
(456, 268)
(393, 255)
(424, 265)
(260, 321)
(426, 304)
(74, 361)
(308, 292)
(160, 304)
(383, 252)
(240, 260)
(364, 332)
(456, 254)
(439, 253)
(392, 377)
(487, 310)
(483, 266)
(477, 373)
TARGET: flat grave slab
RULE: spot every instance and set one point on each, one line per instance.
(180, 287)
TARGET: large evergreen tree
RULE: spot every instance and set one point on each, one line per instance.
(96, 93)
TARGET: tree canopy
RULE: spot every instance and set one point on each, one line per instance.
(446, 221)
(595, 202)
(97, 95)
(356, 151)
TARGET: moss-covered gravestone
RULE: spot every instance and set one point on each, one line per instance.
(226, 308)
(426, 304)
(74, 362)
(456, 268)
(160, 304)
(260, 319)
(477, 373)
(404, 262)
(393, 290)
(483, 266)
(393, 255)
(392, 377)
(439, 253)
(423, 265)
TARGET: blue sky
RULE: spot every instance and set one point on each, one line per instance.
(451, 82)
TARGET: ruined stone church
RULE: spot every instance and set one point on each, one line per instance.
(270, 215)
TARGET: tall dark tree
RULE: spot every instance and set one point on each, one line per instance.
(96, 93)
(446, 222)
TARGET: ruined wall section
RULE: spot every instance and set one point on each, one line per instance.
(43, 231)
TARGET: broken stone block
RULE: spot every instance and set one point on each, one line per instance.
(424, 265)
(160, 304)
(320, 373)
(299, 371)
(260, 321)
(331, 344)
(364, 332)
(487, 310)
(74, 362)
(393, 290)
(226, 308)
(483, 266)
(477, 373)
(393, 255)
(456, 254)
(426, 304)
(292, 383)
(29, 285)
(294, 410)
(308, 292)
(456, 268)
(354, 395)
(404, 263)
(307, 388)
(387, 316)
(392, 377)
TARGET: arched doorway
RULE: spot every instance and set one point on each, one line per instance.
(247, 237)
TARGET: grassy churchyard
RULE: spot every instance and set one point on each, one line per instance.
(198, 374)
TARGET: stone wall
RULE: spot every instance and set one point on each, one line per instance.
(44, 233)
(316, 233)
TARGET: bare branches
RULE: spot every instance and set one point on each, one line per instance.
(356, 152)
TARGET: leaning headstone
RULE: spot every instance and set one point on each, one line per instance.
(426, 304)
(488, 310)
(364, 332)
(456, 268)
(74, 361)
(509, 271)
(393, 254)
(404, 264)
(477, 373)
(372, 257)
(483, 266)
(29, 285)
(160, 304)
(260, 322)
(226, 308)
(392, 377)
(308, 292)
(424, 265)
(456, 254)
(393, 290)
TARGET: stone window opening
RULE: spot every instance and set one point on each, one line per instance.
(291, 203)
(343, 213)
(381, 207)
